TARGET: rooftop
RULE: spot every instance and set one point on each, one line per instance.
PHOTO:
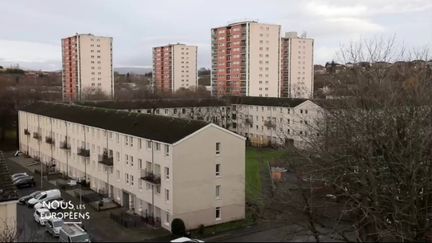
(159, 128)
(157, 103)
(7, 189)
(265, 101)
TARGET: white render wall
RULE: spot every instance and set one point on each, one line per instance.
(264, 60)
(184, 61)
(123, 176)
(95, 64)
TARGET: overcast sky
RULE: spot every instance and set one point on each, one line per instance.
(31, 30)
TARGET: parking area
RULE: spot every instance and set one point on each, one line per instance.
(100, 226)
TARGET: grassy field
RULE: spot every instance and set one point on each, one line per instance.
(255, 158)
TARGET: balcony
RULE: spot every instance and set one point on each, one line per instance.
(49, 140)
(269, 124)
(26, 132)
(37, 136)
(106, 159)
(65, 145)
(83, 152)
(151, 177)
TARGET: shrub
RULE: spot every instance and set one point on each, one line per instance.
(178, 227)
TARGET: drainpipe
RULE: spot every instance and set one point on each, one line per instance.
(153, 185)
(40, 159)
(67, 159)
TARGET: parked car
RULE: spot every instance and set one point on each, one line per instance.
(15, 176)
(185, 239)
(24, 199)
(44, 196)
(53, 226)
(52, 206)
(41, 215)
(73, 232)
(26, 181)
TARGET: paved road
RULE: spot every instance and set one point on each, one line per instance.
(29, 230)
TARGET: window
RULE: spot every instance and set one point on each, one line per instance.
(126, 140)
(131, 141)
(157, 146)
(218, 213)
(132, 181)
(158, 189)
(140, 143)
(218, 145)
(167, 218)
(140, 163)
(166, 149)
(131, 158)
(149, 144)
(127, 178)
(218, 187)
(167, 173)
(218, 167)
(166, 194)
(127, 159)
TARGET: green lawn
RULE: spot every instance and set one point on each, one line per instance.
(254, 161)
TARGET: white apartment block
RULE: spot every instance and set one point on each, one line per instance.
(87, 66)
(246, 59)
(156, 166)
(175, 67)
(297, 70)
(263, 121)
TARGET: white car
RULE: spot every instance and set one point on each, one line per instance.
(53, 226)
(185, 239)
(53, 204)
(42, 215)
(44, 196)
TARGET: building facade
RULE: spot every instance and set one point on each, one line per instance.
(148, 164)
(297, 68)
(246, 60)
(87, 67)
(263, 121)
(174, 67)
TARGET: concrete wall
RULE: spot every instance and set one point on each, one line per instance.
(184, 67)
(195, 178)
(264, 61)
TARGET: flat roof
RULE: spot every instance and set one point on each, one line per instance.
(159, 128)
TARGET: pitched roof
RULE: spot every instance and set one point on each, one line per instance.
(156, 103)
(266, 101)
(159, 128)
(7, 189)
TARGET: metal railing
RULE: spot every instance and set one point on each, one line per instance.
(149, 176)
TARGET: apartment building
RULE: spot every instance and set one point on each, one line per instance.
(174, 67)
(297, 68)
(277, 121)
(246, 59)
(87, 67)
(148, 164)
(263, 121)
(8, 204)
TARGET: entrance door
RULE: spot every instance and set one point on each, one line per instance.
(126, 200)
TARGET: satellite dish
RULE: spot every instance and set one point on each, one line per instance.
(304, 34)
